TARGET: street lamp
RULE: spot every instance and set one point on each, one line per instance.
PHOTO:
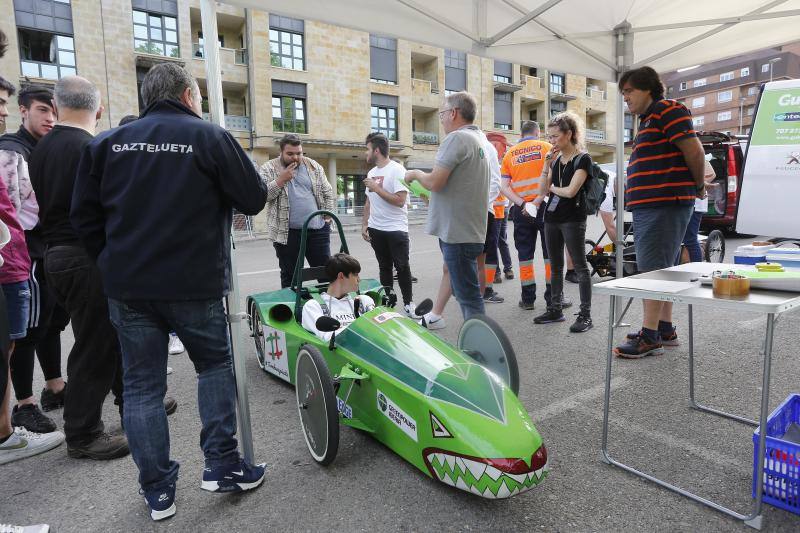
(772, 62)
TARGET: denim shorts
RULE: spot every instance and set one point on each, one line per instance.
(658, 233)
(18, 301)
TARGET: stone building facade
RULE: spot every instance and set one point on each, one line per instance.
(331, 85)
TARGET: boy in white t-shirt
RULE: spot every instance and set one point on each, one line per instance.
(385, 220)
(337, 302)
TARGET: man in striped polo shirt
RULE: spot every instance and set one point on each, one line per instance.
(665, 175)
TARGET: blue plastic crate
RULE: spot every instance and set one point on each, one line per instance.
(781, 458)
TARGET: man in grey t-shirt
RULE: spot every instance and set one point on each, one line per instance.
(459, 184)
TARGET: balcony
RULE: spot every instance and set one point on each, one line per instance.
(504, 85)
(233, 122)
(424, 94)
(239, 54)
(533, 89)
(233, 64)
(421, 137)
(596, 94)
(595, 136)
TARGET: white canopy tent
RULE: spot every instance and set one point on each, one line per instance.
(595, 38)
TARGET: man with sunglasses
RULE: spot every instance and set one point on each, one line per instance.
(459, 184)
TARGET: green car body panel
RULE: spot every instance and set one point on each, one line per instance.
(423, 398)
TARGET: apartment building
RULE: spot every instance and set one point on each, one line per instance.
(722, 95)
(330, 85)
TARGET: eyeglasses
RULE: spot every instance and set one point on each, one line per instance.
(443, 111)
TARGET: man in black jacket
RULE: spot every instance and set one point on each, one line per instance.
(169, 178)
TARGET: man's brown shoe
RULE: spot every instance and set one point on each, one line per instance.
(102, 448)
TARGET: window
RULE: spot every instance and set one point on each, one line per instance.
(751, 110)
(724, 96)
(502, 72)
(200, 51)
(700, 101)
(557, 83)
(669, 89)
(557, 107)
(765, 67)
(744, 72)
(286, 48)
(289, 107)
(503, 105)
(382, 59)
(726, 76)
(155, 34)
(455, 71)
(383, 115)
(752, 90)
(683, 86)
(46, 55)
(52, 16)
(698, 121)
(699, 83)
(722, 116)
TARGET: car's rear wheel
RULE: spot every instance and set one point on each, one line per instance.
(316, 405)
(257, 327)
(483, 340)
(715, 247)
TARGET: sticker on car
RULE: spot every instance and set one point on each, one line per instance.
(276, 357)
(388, 315)
(398, 417)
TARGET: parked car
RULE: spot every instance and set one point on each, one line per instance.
(727, 159)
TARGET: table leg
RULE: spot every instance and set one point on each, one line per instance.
(609, 359)
(620, 323)
(754, 520)
(692, 401)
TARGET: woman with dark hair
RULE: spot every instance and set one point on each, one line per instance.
(567, 169)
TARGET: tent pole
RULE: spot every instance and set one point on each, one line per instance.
(208, 10)
(624, 44)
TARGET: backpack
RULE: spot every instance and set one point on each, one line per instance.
(593, 191)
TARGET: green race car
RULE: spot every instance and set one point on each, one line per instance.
(450, 411)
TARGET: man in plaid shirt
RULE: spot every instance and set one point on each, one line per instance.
(296, 187)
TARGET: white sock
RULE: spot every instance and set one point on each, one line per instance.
(433, 317)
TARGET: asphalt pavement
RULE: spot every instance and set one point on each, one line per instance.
(369, 488)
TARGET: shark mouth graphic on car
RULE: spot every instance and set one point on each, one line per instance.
(488, 478)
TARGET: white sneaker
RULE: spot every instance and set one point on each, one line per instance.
(23, 443)
(169, 370)
(175, 345)
(410, 309)
(38, 528)
(434, 322)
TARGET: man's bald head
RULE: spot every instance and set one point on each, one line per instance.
(79, 94)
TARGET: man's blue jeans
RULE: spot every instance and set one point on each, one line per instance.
(143, 328)
(462, 263)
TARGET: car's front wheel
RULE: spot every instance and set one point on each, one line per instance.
(483, 340)
(316, 405)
